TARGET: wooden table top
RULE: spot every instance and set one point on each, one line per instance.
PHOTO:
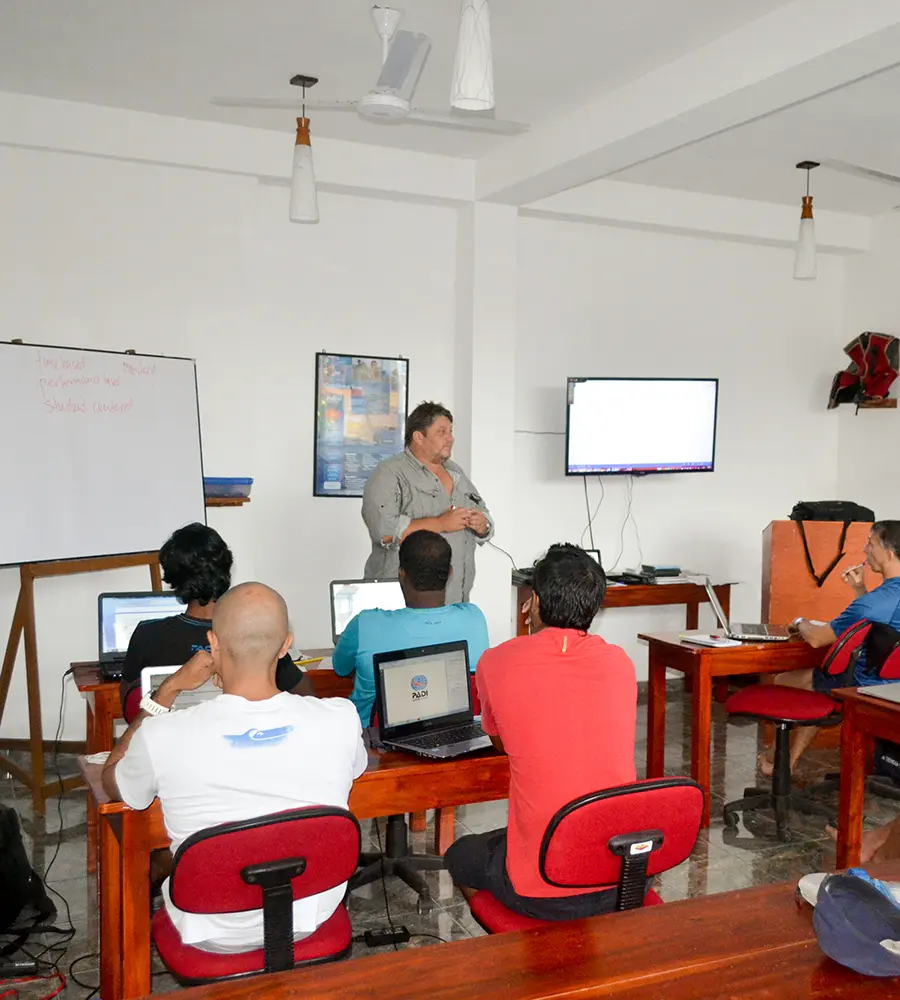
(749, 943)
(875, 706)
(400, 775)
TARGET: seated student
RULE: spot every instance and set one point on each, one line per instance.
(880, 605)
(426, 619)
(196, 564)
(562, 704)
(205, 771)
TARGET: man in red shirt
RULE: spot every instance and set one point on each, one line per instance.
(562, 704)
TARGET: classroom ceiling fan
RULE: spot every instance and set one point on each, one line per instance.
(390, 100)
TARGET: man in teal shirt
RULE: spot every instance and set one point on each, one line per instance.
(424, 572)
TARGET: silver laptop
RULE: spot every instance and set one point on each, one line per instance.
(887, 692)
(152, 678)
(349, 597)
(119, 614)
(742, 631)
(424, 701)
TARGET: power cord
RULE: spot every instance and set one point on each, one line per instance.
(508, 556)
(591, 517)
(629, 517)
(387, 905)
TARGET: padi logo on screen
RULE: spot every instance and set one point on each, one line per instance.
(419, 685)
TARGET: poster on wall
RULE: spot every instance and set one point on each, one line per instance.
(360, 419)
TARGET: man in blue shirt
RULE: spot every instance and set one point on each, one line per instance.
(880, 605)
(424, 571)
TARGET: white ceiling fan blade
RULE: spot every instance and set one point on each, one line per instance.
(404, 64)
(468, 123)
(282, 104)
(865, 172)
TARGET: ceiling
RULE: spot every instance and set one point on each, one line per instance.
(172, 56)
(859, 124)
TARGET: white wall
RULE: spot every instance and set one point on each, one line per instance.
(868, 470)
(603, 301)
(104, 253)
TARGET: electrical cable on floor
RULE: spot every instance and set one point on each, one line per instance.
(387, 905)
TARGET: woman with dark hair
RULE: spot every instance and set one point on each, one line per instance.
(196, 564)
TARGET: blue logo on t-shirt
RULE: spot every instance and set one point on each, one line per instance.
(260, 737)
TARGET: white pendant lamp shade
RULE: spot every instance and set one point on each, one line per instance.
(473, 69)
(805, 255)
(304, 200)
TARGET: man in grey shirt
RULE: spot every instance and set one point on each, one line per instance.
(421, 489)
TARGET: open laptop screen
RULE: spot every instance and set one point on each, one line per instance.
(434, 685)
(120, 615)
(349, 597)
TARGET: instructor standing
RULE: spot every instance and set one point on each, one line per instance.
(421, 489)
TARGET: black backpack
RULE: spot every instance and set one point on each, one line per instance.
(21, 888)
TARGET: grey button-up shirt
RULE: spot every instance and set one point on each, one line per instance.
(401, 489)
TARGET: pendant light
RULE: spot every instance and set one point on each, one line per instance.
(304, 205)
(805, 254)
(473, 68)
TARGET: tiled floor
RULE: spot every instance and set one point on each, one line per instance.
(719, 862)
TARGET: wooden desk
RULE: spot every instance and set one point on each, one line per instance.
(865, 720)
(753, 943)
(103, 707)
(393, 783)
(692, 595)
(703, 664)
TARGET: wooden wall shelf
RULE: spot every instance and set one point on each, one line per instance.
(889, 403)
(227, 501)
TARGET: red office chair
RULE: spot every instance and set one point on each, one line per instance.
(617, 837)
(263, 863)
(786, 707)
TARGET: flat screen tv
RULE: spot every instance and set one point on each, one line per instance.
(635, 426)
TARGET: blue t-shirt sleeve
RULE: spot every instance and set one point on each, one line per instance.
(876, 606)
(343, 659)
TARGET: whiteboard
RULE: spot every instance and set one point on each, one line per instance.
(99, 452)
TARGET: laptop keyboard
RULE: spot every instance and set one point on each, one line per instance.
(446, 737)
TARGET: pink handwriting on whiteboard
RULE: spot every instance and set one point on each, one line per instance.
(140, 368)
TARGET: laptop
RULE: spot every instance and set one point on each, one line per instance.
(118, 615)
(424, 701)
(746, 633)
(152, 678)
(887, 692)
(349, 597)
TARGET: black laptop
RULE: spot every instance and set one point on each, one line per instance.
(118, 615)
(424, 701)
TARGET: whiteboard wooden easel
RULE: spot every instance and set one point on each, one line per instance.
(24, 622)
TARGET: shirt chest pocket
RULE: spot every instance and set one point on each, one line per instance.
(427, 500)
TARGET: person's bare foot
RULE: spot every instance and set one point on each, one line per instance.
(872, 841)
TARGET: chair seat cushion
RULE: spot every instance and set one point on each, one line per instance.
(779, 703)
(496, 918)
(185, 962)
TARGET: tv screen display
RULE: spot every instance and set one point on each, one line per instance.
(622, 426)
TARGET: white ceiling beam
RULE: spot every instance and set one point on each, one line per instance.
(347, 167)
(688, 213)
(790, 55)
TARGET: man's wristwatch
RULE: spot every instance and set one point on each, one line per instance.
(152, 707)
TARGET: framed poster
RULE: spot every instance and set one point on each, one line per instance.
(360, 419)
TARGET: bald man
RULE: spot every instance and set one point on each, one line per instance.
(250, 752)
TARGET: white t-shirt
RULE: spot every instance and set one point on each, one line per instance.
(230, 759)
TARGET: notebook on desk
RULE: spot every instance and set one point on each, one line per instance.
(424, 701)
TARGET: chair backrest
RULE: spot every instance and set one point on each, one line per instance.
(620, 836)
(207, 870)
(844, 651)
(266, 863)
(883, 651)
